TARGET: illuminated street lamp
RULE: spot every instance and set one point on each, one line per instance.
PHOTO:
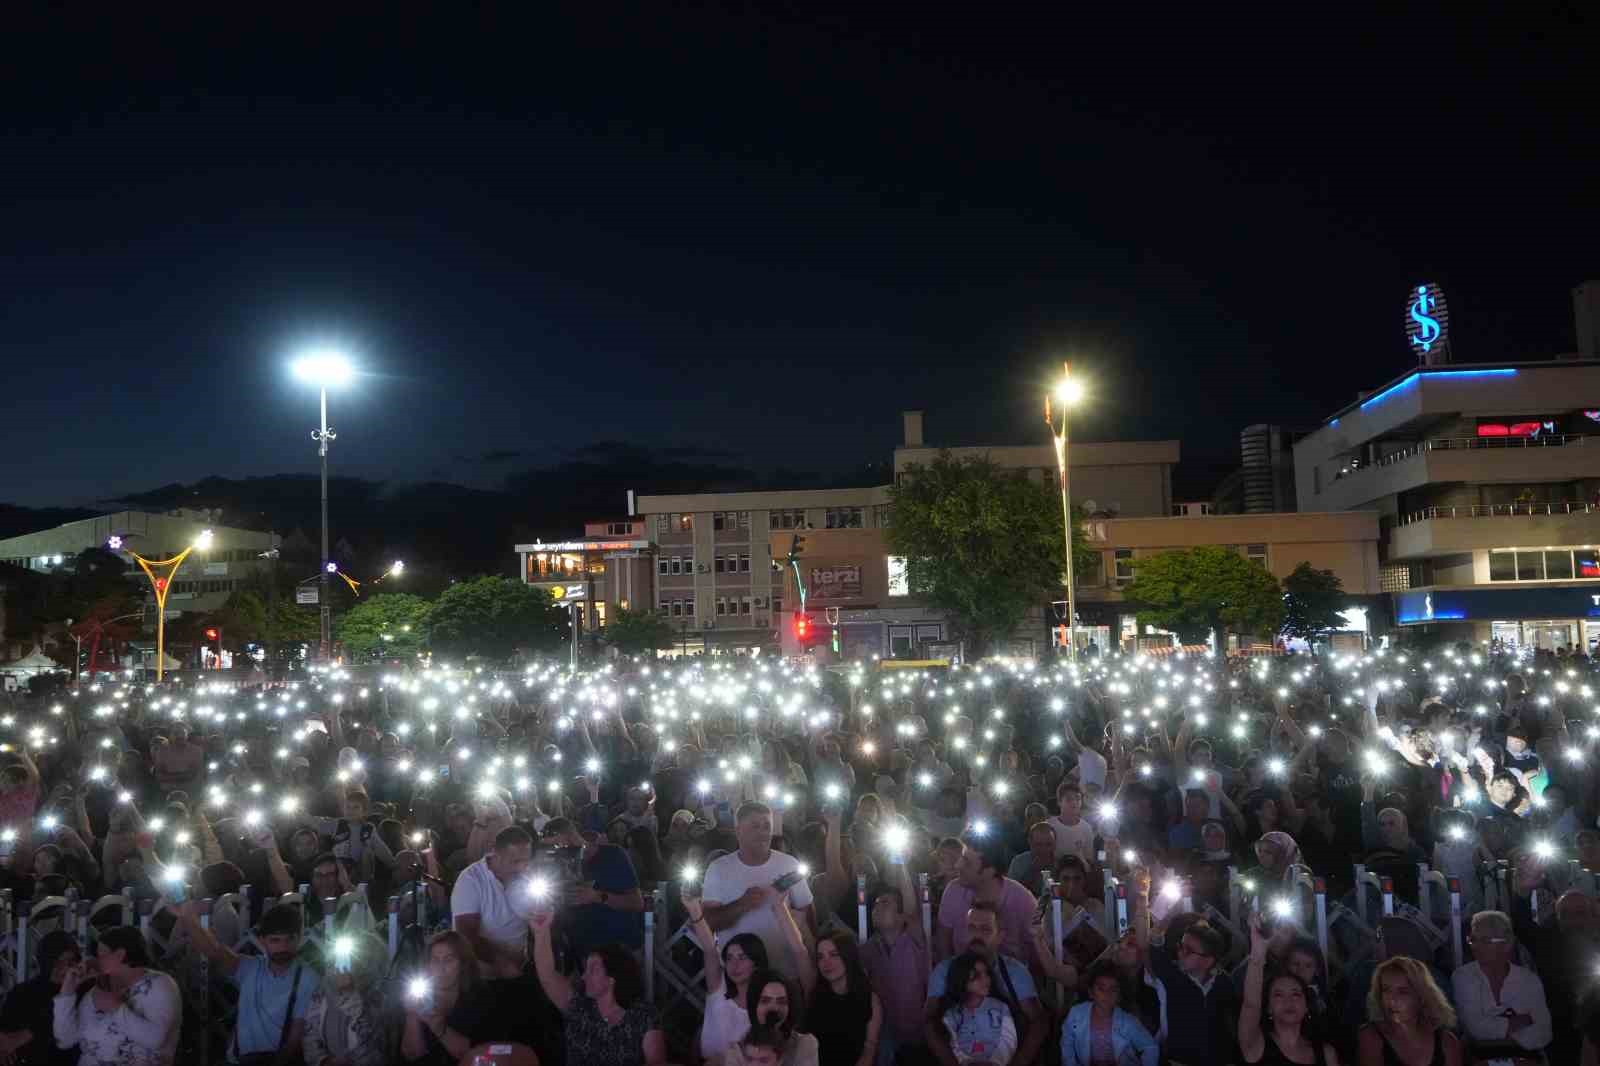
(162, 583)
(325, 369)
(1067, 392)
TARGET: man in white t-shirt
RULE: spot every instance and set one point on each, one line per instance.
(1074, 835)
(739, 890)
(482, 910)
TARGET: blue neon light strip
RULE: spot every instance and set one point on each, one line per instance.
(1412, 380)
(1437, 616)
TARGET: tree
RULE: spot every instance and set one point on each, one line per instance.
(492, 617)
(1312, 600)
(633, 632)
(981, 543)
(390, 624)
(1199, 591)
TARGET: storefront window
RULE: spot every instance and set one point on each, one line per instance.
(1530, 566)
(1557, 566)
(1502, 566)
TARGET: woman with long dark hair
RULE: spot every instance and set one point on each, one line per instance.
(452, 1015)
(981, 1027)
(1279, 1029)
(728, 977)
(844, 1014)
(774, 1005)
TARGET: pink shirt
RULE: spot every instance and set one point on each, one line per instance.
(1016, 916)
(899, 974)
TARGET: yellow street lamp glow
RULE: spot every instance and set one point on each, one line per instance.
(1069, 391)
(327, 368)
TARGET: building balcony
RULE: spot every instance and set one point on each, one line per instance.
(1445, 530)
(1484, 460)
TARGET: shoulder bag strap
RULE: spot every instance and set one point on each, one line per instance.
(288, 1013)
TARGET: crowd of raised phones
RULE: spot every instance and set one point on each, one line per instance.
(518, 826)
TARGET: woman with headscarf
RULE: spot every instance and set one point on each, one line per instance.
(1278, 854)
(27, 1021)
(343, 1020)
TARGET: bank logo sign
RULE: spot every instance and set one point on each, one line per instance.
(1427, 322)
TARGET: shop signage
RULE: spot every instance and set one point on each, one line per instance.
(833, 582)
(1501, 604)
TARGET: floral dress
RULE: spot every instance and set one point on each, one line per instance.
(141, 1031)
(592, 1041)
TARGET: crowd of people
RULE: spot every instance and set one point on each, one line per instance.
(521, 823)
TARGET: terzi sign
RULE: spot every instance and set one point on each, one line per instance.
(833, 582)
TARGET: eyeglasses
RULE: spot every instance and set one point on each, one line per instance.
(1488, 939)
(1185, 949)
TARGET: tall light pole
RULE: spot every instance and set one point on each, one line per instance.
(324, 369)
(162, 583)
(1067, 392)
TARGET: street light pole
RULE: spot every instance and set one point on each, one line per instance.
(1067, 393)
(324, 609)
(323, 369)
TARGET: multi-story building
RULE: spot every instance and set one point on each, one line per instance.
(1122, 478)
(1345, 543)
(714, 574)
(1486, 478)
(207, 577)
(611, 567)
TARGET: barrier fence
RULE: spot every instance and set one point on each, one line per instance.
(1345, 929)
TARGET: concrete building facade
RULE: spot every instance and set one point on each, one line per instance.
(1486, 479)
(206, 579)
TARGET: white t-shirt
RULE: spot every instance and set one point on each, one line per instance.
(478, 891)
(1091, 768)
(1073, 839)
(726, 881)
(724, 1026)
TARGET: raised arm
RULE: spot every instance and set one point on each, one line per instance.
(797, 944)
(555, 986)
(707, 940)
(1252, 1044)
(208, 945)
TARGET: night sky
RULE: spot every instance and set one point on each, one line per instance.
(761, 232)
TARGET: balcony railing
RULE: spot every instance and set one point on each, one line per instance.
(1499, 510)
(1463, 444)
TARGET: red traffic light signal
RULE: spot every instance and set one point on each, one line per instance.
(211, 634)
(802, 628)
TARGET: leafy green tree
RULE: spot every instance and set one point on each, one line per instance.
(388, 624)
(492, 617)
(634, 632)
(981, 543)
(1312, 600)
(1203, 590)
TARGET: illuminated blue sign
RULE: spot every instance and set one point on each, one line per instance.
(1428, 323)
(1508, 604)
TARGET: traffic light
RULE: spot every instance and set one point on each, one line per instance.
(804, 632)
(211, 634)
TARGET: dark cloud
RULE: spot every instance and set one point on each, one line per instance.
(500, 455)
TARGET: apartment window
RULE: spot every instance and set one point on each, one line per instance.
(661, 525)
(662, 565)
(1530, 566)
(882, 513)
(744, 519)
(688, 564)
(1558, 566)
(665, 607)
(744, 564)
(683, 523)
(724, 520)
(722, 605)
(677, 564)
(1256, 553)
(717, 565)
(619, 529)
(744, 606)
(600, 613)
(844, 518)
(1124, 563)
(688, 608)
(792, 518)
(677, 608)
(777, 604)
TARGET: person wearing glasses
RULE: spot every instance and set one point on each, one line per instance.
(1202, 1004)
(1501, 1005)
